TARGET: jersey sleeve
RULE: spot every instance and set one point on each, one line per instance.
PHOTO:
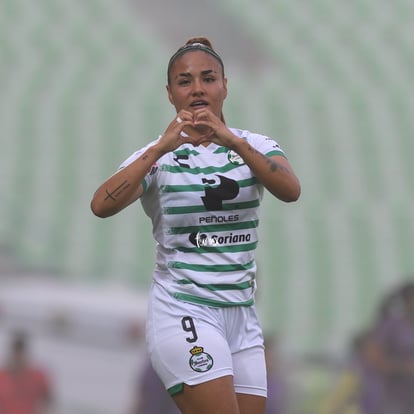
(262, 143)
(266, 145)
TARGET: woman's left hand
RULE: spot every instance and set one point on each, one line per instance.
(218, 131)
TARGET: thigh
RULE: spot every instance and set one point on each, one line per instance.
(198, 399)
(212, 397)
(251, 404)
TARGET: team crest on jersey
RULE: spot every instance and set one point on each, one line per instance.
(200, 361)
(235, 158)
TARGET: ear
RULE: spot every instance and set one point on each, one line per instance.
(170, 98)
(225, 88)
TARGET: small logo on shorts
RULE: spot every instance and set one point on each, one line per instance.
(200, 361)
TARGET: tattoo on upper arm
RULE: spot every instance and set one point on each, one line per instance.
(118, 190)
(273, 165)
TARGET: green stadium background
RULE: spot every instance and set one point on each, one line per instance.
(82, 85)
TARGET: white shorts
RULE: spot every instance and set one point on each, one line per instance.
(191, 344)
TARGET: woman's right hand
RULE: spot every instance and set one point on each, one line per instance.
(181, 130)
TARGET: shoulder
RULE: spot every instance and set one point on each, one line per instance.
(244, 133)
(261, 142)
(251, 137)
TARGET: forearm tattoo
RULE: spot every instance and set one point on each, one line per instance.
(112, 195)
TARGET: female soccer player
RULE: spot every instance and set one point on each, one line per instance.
(201, 183)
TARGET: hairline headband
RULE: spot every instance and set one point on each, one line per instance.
(194, 46)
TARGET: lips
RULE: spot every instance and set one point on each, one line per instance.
(199, 104)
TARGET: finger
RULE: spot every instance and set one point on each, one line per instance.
(200, 117)
(183, 116)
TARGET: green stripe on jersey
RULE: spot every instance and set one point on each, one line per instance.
(210, 302)
(219, 249)
(201, 187)
(271, 153)
(199, 170)
(186, 151)
(221, 150)
(212, 268)
(217, 286)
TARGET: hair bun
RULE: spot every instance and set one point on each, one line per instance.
(203, 40)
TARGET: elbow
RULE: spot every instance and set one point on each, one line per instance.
(97, 210)
(291, 194)
(290, 198)
(294, 195)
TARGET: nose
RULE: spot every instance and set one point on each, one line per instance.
(197, 87)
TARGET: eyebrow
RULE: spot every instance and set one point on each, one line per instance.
(203, 73)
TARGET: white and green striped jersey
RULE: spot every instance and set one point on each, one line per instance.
(204, 206)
